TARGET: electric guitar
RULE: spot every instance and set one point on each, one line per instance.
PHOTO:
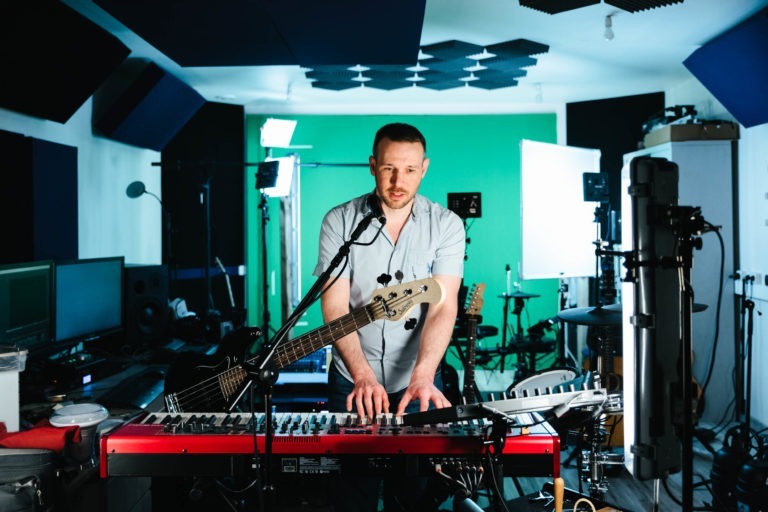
(216, 383)
(470, 392)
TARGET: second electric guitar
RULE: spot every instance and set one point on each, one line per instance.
(470, 392)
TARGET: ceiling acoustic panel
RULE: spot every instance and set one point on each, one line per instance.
(517, 48)
(451, 50)
(441, 66)
(52, 58)
(269, 32)
(556, 6)
(641, 5)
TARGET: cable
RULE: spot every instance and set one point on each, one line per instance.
(584, 500)
(717, 313)
(495, 483)
(723, 418)
(678, 501)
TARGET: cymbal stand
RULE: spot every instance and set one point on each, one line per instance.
(519, 305)
(560, 360)
(516, 336)
(504, 330)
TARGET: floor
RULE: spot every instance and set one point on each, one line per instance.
(622, 493)
(621, 490)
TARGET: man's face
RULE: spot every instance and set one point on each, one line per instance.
(398, 169)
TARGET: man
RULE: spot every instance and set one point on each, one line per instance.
(384, 367)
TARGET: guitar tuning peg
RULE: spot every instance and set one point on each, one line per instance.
(410, 324)
(399, 276)
(384, 279)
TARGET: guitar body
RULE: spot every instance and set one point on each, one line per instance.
(194, 379)
(189, 371)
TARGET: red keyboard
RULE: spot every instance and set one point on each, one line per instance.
(211, 444)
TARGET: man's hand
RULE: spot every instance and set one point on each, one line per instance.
(369, 397)
(424, 391)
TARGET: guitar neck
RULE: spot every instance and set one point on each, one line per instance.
(469, 369)
(291, 351)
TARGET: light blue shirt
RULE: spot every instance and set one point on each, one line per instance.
(430, 243)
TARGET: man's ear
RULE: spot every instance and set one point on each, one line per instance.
(372, 165)
(424, 166)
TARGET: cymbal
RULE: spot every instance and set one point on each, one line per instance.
(603, 315)
(518, 295)
(597, 315)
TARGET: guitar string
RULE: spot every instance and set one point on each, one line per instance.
(211, 386)
(230, 379)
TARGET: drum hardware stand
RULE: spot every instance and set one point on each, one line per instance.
(520, 298)
(560, 360)
(595, 459)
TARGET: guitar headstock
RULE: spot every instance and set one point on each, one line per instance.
(475, 301)
(394, 302)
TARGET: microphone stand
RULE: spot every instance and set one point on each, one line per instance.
(560, 361)
(265, 374)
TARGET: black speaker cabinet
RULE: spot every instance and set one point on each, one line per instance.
(38, 199)
(146, 303)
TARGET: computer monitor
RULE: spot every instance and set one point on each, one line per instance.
(88, 300)
(25, 305)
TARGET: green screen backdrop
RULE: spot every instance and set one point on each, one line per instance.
(468, 153)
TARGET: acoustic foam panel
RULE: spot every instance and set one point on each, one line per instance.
(52, 58)
(268, 32)
(149, 111)
(39, 198)
(733, 68)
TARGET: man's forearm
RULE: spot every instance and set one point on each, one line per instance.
(437, 332)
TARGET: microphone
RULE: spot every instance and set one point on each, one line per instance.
(135, 189)
(374, 203)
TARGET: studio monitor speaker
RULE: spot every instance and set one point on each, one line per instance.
(146, 303)
(733, 68)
